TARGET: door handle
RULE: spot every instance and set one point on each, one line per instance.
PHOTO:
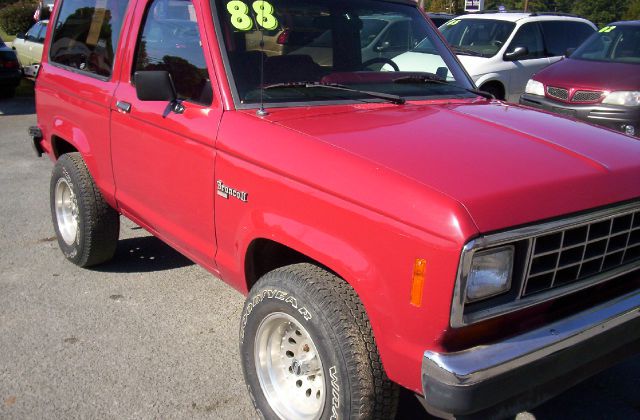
(123, 107)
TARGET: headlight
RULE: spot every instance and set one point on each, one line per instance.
(624, 98)
(490, 273)
(534, 88)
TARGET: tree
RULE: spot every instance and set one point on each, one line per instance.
(17, 17)
(564, 6)
(601, 12)
(633, 11)
(449, 6)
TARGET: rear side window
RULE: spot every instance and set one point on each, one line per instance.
(559, 36)
(86, 34)
(170, 41)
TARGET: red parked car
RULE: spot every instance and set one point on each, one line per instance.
(598, 83)
(390, 229)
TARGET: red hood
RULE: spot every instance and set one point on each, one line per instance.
(505, 164)
(591, 75)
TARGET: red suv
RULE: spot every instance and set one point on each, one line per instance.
(598, 83)
(389, 228)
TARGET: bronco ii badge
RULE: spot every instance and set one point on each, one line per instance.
(226, 191)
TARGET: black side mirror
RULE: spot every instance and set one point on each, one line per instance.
(154, 86)
(20, 35)
(157, 85)
(569, 52)
(516, 54)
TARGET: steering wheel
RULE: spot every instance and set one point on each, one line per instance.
(496, 43)
(382, 60)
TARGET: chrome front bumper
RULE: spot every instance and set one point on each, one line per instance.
(529, 368)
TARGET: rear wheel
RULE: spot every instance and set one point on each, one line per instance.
(308, 350)
(86, 226)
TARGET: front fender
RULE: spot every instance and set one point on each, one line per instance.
(373, 253)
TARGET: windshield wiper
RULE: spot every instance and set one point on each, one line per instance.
(465, 51)
(428, 78)
(396, 99)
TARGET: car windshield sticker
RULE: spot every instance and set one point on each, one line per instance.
(453, 22)
(607, 29)
(99, 14)
(241, 20)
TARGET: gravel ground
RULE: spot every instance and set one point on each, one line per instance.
(149, 335)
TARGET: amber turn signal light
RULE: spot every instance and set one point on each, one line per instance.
(418, 281)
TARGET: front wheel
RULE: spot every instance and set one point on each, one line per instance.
(308, 350)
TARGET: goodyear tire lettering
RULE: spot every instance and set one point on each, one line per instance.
(272, 294)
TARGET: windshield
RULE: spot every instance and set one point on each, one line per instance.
(614, 44)
(360, 44)
(482, 36)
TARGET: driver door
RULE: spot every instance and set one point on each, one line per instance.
(164, 166)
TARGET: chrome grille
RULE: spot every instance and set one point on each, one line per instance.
(582, 251)
(558, 93)
(586, 96)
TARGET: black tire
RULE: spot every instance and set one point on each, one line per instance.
(355, 383)
(98, 225)
(495, 89)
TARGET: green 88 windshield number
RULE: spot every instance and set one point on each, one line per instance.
(242, 21)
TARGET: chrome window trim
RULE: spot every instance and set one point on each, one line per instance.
(459, 319)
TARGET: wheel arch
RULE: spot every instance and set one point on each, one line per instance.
(493, 81)
(335, 256)
(268, 251)
(66, 137)
(61, 146)
(264, 255)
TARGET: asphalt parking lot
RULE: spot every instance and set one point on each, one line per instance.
(150, 334)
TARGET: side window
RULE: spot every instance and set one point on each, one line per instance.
(86, 34)
(32, 33)
(559, 36)
(170, 41)
(42, 33)
(529, 36)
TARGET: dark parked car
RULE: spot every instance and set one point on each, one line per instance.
(598, 83)
(10, 73)
(440, 19)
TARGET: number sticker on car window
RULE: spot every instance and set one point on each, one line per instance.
(239, 15)
(264, 14)
(242, 21)
(453, 22)
(607, 29)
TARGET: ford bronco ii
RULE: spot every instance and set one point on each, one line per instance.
(390, 228)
